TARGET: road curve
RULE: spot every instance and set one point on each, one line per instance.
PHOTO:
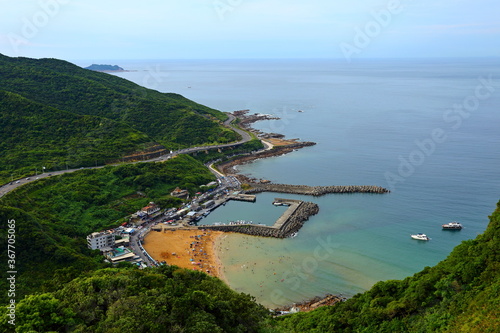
(245, 137)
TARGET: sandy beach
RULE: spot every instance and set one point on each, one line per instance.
(188, 248)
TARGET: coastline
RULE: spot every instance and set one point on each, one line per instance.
(275, 145)
(194, 249)
(212, 242)
(217, 253)
(175, 246)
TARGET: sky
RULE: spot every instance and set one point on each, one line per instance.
(226, 29)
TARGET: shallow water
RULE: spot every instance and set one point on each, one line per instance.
(367, 117)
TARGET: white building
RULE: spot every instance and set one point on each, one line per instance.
(100, 240)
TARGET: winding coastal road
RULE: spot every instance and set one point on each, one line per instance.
(245, 137)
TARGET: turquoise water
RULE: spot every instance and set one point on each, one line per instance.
(366, 118)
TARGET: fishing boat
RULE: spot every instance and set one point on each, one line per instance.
(452, 226)
(420, 236)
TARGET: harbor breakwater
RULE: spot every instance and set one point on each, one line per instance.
(289, 223)
(314, 190)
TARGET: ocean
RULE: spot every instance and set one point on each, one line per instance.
(427, 129)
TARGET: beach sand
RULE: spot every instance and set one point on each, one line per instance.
(188, 248)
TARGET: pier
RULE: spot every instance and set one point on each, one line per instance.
(292, 207)
(242, 197)
(286, 225)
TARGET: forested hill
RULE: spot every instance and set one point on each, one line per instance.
(105, 68)
(34, 135)
(57, 115)
(166, 118)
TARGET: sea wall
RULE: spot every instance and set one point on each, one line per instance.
(314, 190)
(293, 223)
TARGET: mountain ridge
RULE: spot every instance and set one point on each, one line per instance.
(143, 117)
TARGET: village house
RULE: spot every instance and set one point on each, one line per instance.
(150, 209)
(178, 193)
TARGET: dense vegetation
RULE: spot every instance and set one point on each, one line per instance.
(96, 67)
(54, 215)
(53, 113)
(35, 136)
(166, 299)
(166, 117)
(227, 153)
(53, 88)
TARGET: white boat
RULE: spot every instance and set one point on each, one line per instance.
(452, 226)
(420, 236)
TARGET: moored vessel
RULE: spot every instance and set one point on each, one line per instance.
(452, 226)
(420, 236)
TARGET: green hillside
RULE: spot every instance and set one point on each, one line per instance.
(53, 112)
(55, 214)
(166, 299)
(33, 136)
(460, 294)
(166, 118)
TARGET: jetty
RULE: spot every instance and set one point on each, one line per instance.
(242, 197)
(314, 190)
(286, 225)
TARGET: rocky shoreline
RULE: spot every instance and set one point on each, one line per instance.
(229, 167)
(287, 146)
(302, 213)
(283, 146)
(311, 304)
(247, 120)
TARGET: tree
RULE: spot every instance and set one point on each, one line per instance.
(41, 313)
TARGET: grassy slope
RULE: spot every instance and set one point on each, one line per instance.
(460, 294)
(34, 135)
(169, 119)
(54, 215)
(166, 299)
